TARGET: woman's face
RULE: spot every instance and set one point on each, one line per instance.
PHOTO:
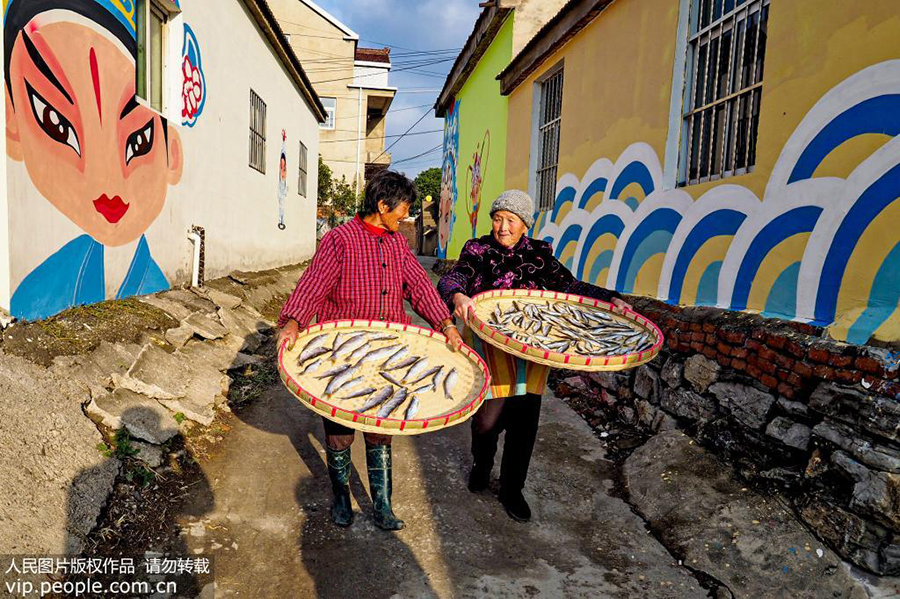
(282, 171)
(507, 228)
(391, 218)
(96, 154)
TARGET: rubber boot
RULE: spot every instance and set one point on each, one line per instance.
(378, 461)
(339, 472)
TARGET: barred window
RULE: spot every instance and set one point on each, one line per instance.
(301, 182)
(549, 117)
(726, 56)
(330, 105)
(152, 37)
(257, 133)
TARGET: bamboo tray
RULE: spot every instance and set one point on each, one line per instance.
(486, 302)
(435, 410)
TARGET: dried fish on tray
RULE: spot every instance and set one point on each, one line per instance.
(383, 377)
(563, 330)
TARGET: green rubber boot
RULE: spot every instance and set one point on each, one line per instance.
(339, 472)
(378, 461)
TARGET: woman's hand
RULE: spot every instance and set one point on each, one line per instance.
(463, 303)
(289, 331)
(454, 339)
(622, 304)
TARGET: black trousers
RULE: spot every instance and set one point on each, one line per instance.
(340, 437)
(519, 417)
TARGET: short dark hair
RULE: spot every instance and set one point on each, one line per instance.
(389, 187)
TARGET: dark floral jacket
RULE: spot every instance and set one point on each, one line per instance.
(485, 264)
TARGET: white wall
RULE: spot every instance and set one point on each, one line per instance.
(217, 189)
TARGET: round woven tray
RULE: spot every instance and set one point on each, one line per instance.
(435, 410)
(486, 302)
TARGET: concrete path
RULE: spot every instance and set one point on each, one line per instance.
(270, 533)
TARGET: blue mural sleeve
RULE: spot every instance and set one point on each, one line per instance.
(144, 275)
(70, 277)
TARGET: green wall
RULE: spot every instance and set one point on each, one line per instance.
(482, 131)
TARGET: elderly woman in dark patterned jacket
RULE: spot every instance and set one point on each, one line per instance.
(508, 259)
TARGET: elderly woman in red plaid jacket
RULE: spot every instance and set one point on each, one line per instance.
(364, 270)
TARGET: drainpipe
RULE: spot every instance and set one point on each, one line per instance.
(358, 141)
(197, 236)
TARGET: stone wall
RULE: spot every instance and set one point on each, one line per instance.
(817, 419)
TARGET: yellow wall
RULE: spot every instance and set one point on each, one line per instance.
(785, 253)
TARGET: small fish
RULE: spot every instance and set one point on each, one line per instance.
(312, 366)
(392, 404)
(391, 379)
(334, 371)
(348, 385)
(315, 353)
(339, 379)
(340, 338)
(360, 351)
(407, 362)
(416, 369)
(434, 371)
(412, 409)
(376, 354)
(450, 382)
(348, 346)
(360, 393)
(382, 337)
(314, 343)
(378, 398)
(395, 357)
(426, 387)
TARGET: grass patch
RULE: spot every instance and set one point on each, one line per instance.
(251, 383)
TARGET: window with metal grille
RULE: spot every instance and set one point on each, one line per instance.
(727, 51)
(330, 105)
(549, 117)
(257, 133)
(301, 182)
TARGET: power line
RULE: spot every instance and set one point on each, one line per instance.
(324, 141)
(421, 118)
(380, 74)
(434, 149)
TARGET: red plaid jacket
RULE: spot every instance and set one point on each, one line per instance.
(362, 272)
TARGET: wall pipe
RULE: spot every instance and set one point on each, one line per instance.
(196, 235)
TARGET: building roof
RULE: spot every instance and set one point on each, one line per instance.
(486, 27)
(374, 55)
(266, 21)
(348, 33)
(572, 18)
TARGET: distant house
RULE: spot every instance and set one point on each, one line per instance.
(475, 116)
(129, 124)
(352, 82)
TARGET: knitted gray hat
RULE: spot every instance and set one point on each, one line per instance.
(516, 201)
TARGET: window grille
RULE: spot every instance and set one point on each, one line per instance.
(727, 50)
(150, 21)
(257, 133)
(301, 183)
(549, 117)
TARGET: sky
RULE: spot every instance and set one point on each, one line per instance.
(412, 26)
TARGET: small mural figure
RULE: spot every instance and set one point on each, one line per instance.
(193, 92)
(282, 180)
(448, 180)
(475, 177)
(103, 160)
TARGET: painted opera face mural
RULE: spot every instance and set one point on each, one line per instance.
(475, 179)
(100, 158)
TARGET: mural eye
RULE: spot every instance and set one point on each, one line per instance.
(140, 142)
(54, 124)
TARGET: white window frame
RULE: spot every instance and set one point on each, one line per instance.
(720, 121)
(330, 114)
(546, 125)
(144, 66)
(257, 133)
(303, 167)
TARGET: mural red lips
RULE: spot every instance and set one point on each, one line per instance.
(112, 209)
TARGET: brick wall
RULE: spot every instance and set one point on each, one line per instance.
(815, 420)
